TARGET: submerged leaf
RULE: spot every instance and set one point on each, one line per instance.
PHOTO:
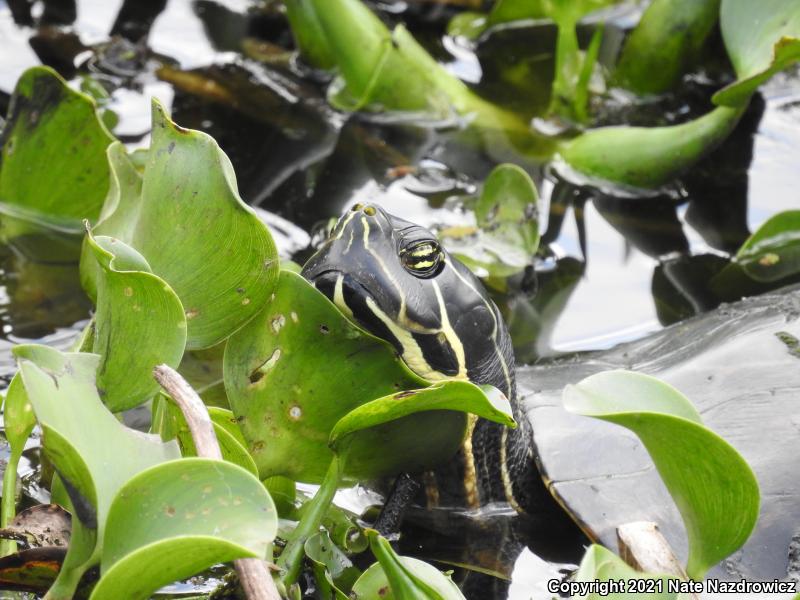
(713, 487)
(762, 38)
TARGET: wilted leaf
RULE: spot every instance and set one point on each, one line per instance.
(40, 525)
(713, 487)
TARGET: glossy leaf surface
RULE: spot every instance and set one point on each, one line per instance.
(762, 38)
(507, 216)
(396, 577)
(179, 518)
(188, 180)
(53, 166)
(713, 487)
(139, 323)
(773, 251)
(288, 400)
(61, 389)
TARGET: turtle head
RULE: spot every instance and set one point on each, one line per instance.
(394, 279)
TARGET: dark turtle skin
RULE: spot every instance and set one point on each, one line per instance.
(394, 279)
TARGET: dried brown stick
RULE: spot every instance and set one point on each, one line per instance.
(254, 576)
(643, 547)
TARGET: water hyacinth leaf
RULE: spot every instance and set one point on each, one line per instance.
(189, 180)
(665, 44)
(284, 396)
(762, 38)
(507, 235)
(396, 577)
(61, 389)
(365, 427)
(384, 70)
(179, 518)
(288, 400)
(33, 570)
(600, 564)
(334, 573)
(507, 216)
(169, 423)
(648, 157)
(139, 323)
(718, 498)
(309, 34)
(53, 166)
(18, 423)
(119, 213)
(773, 251)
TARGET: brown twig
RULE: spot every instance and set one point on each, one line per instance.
(254, 576)
(643, 547)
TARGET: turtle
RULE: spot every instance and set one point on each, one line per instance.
(738, 363)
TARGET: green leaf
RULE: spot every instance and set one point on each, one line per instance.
(773, 251)
(308, 34)
(287, 400)
(188, 186)
(713, 487)
(93, 453)
(334, 573)
(18, 423)
(133, 305)
(53, 153)
(356, 435)
(169, 423)
(600, 564)
(384, 70)
(762, 38)
(401, 578)
(507, 236)
(648, 157)
(178, 518)
(665, 44)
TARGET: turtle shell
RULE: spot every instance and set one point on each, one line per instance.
(740, 366)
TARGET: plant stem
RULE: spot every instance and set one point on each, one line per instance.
(8, 505)
(291, 559)
(256, 581)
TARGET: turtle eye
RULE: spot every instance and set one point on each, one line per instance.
(422, 259)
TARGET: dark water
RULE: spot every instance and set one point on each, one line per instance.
(616, 266)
